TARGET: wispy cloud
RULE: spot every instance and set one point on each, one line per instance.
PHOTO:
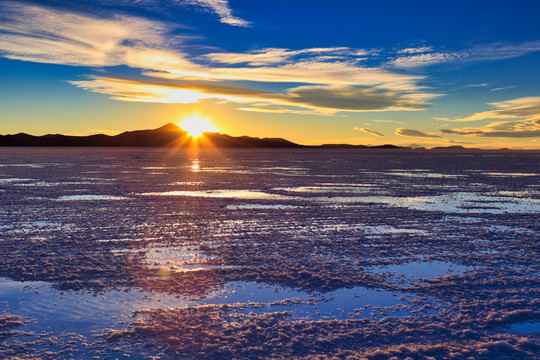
(414, 61)
(534, 131)
(488, 52)
(414, 133)
(525, 113)
(477, 85)
(415, 50)
(503, 88)
(271, 56)
(221, 8)
(369, 131)
(280, 110)
(38, 34)
(457, 142)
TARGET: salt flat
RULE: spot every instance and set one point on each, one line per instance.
(238, 254)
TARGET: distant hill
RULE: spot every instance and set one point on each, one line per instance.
(453, 147)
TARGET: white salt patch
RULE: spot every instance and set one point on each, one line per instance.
(89, 198)
(13, 180)
(509, 174)
(234, 194)
(458, 202)
(328, 189)
(386, 229)
(261, 206)
(421, 174)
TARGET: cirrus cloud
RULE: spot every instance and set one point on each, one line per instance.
(489, 52)
(369, 131)
(222, 9)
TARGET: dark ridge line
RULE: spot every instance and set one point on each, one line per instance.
(171, 135)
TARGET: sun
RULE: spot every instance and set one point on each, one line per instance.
(195, 125)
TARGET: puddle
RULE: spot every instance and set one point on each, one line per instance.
(69, 311)
(179, 259)
(526, 327)
(357, 302)
(411, 272)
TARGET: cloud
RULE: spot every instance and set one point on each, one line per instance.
(220, 8)
(414, 133)
(477, 85)
(524, 112)
(500, 134)
(37, 34)
(369, 131)
(46, 35)
(322, 99)
(271, 56)
(458, 142)
(279, 110)
(352, 98)
(414, 61)
(488, 52)
(503, 88)
(416, 50)
(526, 107)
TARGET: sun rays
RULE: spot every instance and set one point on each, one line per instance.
(196, 125)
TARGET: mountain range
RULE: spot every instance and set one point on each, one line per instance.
(169, 135)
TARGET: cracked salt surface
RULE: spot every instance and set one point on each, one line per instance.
(224, 258)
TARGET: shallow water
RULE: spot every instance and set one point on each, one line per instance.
(372, 241)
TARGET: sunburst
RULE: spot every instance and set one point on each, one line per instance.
(196, 125)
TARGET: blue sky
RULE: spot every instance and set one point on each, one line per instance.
(423, 72)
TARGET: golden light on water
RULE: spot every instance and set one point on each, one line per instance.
(195, 125)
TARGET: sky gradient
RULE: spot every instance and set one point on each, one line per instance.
(416, 72)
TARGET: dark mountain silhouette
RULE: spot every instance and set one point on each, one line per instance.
(168, 135)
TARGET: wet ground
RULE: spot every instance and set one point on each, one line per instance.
(239, 254)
